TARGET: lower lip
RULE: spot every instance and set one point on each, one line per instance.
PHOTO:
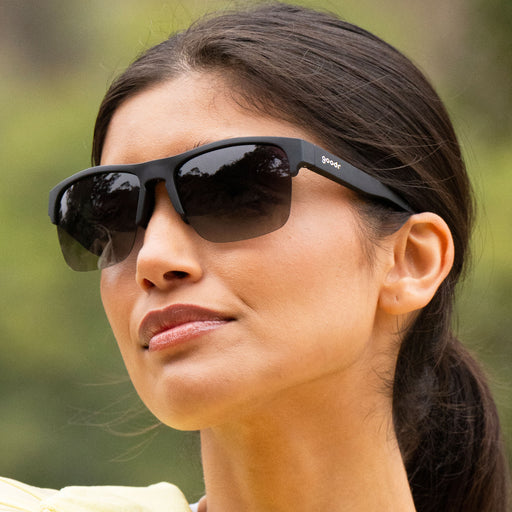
(182, 333)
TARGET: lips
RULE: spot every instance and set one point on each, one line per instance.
(173, 325)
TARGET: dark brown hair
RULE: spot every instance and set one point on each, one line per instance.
(369, 104)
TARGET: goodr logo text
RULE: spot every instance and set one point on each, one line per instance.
(326, 160)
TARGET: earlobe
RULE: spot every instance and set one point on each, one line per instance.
(422, 256)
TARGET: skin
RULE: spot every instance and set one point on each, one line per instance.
(292, 394)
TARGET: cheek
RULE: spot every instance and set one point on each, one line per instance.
(311, 290)
(313, 261)
(118, 296)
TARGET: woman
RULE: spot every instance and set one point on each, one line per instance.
(299, 320)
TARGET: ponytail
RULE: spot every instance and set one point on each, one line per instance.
(447, 425)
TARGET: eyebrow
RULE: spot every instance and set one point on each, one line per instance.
(201, 142)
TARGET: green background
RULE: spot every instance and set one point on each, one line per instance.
(68, 414)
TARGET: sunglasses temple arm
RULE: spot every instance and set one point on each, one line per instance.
(342, 172)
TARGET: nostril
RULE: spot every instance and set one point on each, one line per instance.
(147, 284)
(172, 275)
(175, 274)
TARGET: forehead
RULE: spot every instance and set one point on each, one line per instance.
(182, 113)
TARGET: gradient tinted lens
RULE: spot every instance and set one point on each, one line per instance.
(236, 193)
(96, 220)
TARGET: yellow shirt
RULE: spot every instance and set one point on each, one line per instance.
(19, 497)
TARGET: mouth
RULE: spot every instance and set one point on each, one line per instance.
(176, 324)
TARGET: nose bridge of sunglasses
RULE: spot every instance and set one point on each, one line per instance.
(151, 175)
(147, 203)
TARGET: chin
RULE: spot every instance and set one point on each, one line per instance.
(185, 408)
(187, 420)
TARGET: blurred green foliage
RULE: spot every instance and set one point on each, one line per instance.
(68, 414)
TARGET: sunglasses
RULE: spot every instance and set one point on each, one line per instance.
(227, 191)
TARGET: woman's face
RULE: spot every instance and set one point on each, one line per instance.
(242, 324)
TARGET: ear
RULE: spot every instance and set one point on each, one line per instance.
(421, 258)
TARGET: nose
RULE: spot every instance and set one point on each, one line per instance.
(168, 255)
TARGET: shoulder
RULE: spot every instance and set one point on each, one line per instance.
(20, 497)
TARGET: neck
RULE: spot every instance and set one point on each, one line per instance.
(326, 454)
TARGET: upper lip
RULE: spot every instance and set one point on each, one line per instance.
(161, 320)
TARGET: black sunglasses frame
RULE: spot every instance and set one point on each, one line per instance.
(300, 154)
